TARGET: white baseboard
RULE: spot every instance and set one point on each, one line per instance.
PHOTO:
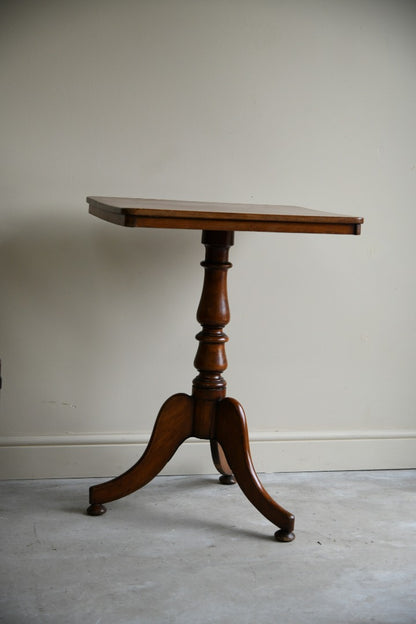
(70, 456)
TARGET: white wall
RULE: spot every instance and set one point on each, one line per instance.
(307, 102)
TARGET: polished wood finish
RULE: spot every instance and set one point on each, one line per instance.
(231, 432)
(208, 413)
(172, 427)
(162, 213)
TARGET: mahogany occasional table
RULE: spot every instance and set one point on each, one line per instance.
(207, 413)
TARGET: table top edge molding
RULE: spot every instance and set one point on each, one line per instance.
(132, 212)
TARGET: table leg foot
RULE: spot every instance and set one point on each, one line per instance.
(227, 479)
(284, 536)
(231, 432)
(96, 509)
(221, 464)
(173, 425)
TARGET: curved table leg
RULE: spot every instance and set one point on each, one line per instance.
(221, 464)
(231, 432)
(173, 425)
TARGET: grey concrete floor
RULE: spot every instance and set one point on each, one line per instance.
(189, 550)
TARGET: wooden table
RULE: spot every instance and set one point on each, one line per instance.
(207, 413)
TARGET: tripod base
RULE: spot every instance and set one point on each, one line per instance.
(231, 453)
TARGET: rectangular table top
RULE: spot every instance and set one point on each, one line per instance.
(164, 213)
